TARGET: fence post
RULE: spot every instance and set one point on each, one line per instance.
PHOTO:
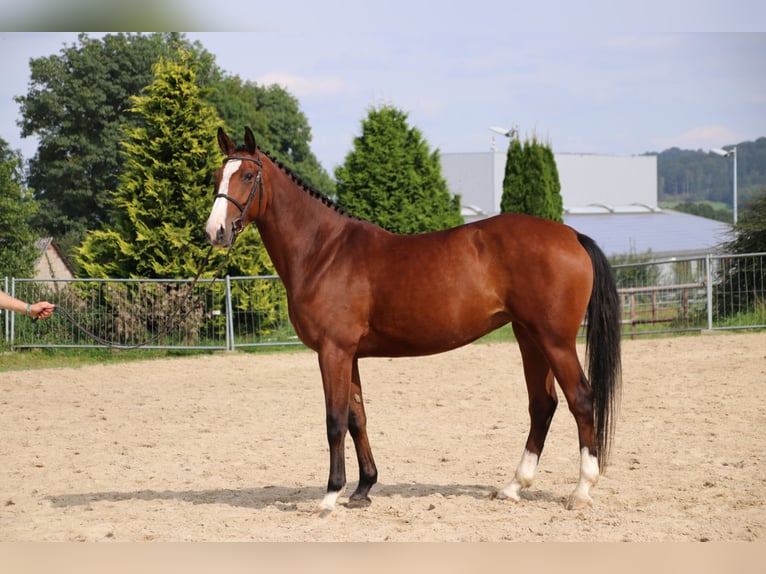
(11, 316)
(229, 316)
(709, 285)
(5, 313)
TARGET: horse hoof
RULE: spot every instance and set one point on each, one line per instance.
(323, 513)
(359, 502)
(578, 503)
(502, 495)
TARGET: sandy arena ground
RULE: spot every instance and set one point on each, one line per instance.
(232, 447)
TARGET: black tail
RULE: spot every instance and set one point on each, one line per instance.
(603, 347)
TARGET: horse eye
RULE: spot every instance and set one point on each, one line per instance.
(248, 176)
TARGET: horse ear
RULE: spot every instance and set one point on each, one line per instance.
(249, 141)
(225, 143)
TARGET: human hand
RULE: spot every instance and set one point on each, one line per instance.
(41, 310)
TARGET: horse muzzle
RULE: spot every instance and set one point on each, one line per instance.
(219, 236)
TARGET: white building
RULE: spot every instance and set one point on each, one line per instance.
(613, 199)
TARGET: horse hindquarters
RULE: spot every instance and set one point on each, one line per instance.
(548, 344)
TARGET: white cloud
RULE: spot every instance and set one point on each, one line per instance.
(307, 87)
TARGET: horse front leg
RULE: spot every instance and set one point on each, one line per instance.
(357, 424)
(335, 366)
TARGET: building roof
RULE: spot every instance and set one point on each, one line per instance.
(664, 233)
(51, 263)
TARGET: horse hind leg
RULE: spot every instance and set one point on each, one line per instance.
(357, 424)
(577, 391)
(542, 406)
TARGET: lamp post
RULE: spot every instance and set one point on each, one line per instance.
(733, 153)
(508, 133)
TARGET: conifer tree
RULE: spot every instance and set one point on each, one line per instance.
(392, 178)
(164, 194)
(531, 183)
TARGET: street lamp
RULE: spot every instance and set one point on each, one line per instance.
(733, 153)
(505, 132)
(509, 133)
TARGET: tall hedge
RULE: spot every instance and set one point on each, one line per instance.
(531, 183)
(392, 178)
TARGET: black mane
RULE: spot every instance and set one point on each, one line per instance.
(316, 194)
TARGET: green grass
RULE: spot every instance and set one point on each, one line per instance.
(502, 335)
(28, 359)
(756, 315)
(718, 205)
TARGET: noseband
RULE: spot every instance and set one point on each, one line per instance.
(238, 224)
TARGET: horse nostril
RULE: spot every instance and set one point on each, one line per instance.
(220, 233)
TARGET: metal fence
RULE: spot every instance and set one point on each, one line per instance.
(225, 314)
(712, 292)
(693, 294)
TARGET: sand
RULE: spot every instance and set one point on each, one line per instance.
(231, 447)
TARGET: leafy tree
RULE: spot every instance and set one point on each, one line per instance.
(697, 175)
(634, 269)
(705, 210)
(17, 250)
(76, 105)
(393, 179)
(163, 196)
(745, 278)
(531, 183)
(750, 231)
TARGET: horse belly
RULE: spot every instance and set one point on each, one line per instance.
(434, 322)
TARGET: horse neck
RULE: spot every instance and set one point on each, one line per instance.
(296, 227)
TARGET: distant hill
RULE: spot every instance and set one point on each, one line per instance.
(699, 176)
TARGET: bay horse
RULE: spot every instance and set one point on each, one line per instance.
(356, 290)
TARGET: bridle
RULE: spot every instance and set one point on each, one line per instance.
(238, 224)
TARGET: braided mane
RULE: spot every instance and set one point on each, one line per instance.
(302, 184)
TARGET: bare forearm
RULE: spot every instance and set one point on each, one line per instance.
(41, 309)
(12, 304)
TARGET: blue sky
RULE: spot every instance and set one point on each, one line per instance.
(591, 78)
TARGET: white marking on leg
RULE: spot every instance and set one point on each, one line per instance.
(525, 474)
(329, 500)
(589, 474)
(217, 217)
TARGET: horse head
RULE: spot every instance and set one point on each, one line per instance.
(240, 196)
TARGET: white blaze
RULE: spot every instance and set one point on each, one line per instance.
(217, 217)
